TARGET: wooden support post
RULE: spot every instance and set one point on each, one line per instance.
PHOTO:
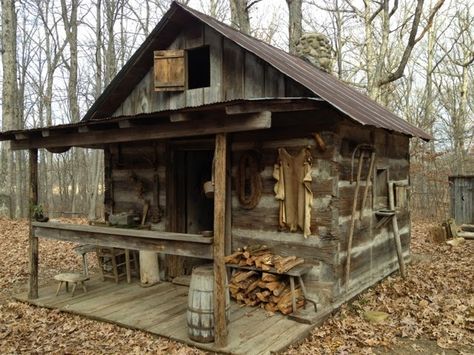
(220, 189)
(396, 233)
(33, 241)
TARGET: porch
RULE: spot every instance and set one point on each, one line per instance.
(161, 310)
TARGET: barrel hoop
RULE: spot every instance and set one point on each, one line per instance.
(205, 291)
(192, 326)
(192, 309)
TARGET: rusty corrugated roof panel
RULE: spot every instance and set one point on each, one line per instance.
(346, 99)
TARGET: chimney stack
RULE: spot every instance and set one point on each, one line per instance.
(316, 48)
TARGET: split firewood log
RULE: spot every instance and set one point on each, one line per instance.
(289, 308)
(281, 289)
(233, 258)
(263, 296)
(289, 265)
(244, 285)
(269, 277)
(271, 307)
(273, 285)
(285, 302)
(252, 286)
(242, 275)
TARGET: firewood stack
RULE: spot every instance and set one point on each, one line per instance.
(257, 287)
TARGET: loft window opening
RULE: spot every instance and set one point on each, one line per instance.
(199, 67)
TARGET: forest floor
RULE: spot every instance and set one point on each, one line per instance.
(431, 312)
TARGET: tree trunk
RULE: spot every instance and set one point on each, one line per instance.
(295, 29)
(9, 94)
(239, 15)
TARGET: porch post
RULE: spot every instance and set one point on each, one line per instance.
(220, 324)
(33, 241)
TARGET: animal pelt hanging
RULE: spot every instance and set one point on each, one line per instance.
(293, 190)
(249, 181)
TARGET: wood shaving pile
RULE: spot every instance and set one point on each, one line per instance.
(435, 302)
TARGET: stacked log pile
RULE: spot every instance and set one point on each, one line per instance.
(258, 287)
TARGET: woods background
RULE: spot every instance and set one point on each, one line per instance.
(414, 57)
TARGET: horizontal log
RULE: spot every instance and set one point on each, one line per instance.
(165, 130)
(155, 235)
(160, 242)
(313, 249)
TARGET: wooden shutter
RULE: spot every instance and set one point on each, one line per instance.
(170, 74)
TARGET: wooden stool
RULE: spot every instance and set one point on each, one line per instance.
(74, 278)
(114, 263)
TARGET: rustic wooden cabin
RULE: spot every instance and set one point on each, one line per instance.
(296, 160)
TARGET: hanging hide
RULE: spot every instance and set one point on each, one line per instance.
(293, 190)
(249, 181)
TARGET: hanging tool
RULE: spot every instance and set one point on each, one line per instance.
(367, 181)
(351, 230)
(363, 148)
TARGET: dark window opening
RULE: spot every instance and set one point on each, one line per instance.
(381, 188)
(199, 68)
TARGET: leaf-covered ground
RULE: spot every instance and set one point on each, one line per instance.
(432, 310)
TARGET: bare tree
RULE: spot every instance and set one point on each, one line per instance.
(240, 14)
(9, 92)
(295, 27)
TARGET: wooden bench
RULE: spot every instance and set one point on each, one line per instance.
(298, 271)
(72, 277)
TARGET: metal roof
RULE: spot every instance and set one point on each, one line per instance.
(344, 98)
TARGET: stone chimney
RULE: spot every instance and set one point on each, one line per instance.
(316, 48)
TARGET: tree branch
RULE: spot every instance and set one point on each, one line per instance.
(412, 40)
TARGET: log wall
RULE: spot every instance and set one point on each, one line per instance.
(373, 254)
(143, 161)
(260, 224)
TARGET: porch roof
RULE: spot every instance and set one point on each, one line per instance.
(231, 116)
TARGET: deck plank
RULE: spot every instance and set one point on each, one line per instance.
(119, 296)
(161, 310)
(130, 306)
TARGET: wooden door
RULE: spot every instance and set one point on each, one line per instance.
(190, 211)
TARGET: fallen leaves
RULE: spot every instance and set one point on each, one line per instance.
(29, 329)
(435, 302)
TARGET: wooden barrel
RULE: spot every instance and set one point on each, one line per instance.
(200, 314)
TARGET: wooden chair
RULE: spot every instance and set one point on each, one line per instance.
(115, 263)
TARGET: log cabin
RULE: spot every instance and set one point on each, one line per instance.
(201, 102)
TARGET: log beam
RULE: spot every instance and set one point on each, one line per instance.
(33, 241)
(192, 245)
(220, 191)
(205, 126)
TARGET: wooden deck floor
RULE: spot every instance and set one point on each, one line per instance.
(161, 310)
